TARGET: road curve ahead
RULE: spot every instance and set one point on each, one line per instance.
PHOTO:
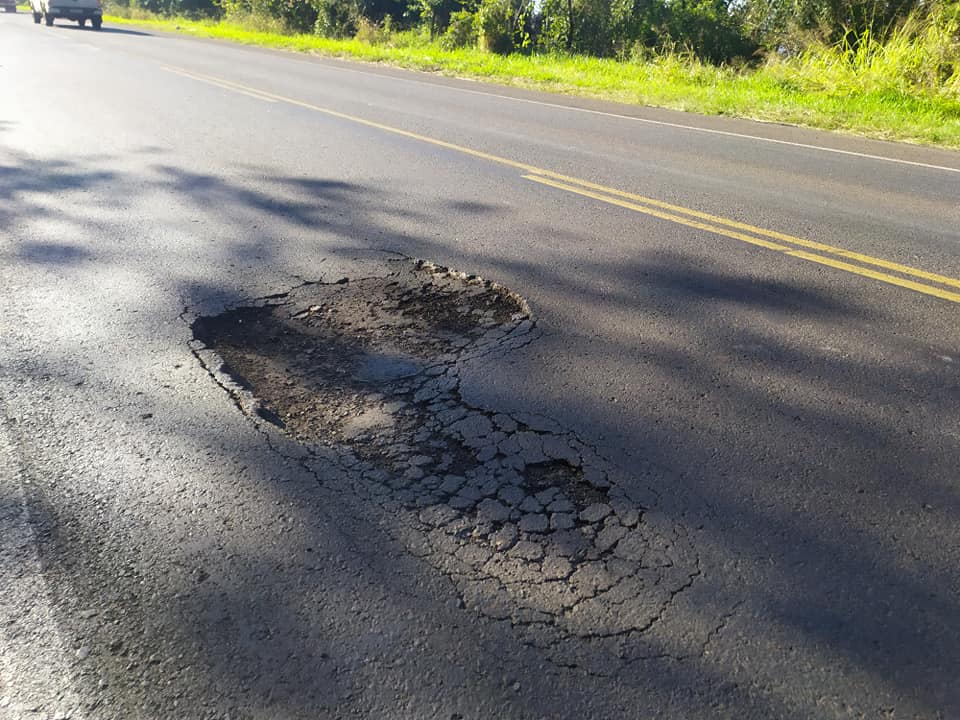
(694, 454)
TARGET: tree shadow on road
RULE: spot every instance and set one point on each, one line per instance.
(808, 471)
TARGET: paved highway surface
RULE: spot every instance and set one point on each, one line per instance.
(759, 324)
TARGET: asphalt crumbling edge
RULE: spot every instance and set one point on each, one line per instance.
(584, 574)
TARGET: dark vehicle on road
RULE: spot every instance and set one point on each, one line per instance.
(9, 5)
(79, 11)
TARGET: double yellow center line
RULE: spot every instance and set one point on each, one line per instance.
(905, 276)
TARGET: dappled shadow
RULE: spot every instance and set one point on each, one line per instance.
(46, 253)
(788, 427)
(821, 479)
(472, 206)
(27, 176)
(671, 275)
(317, 611)
(151, 150)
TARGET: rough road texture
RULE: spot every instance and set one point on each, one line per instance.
(39, 660)
(530, 523)
(165, 555)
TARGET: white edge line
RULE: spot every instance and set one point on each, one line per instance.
(727, 133)
(663, 123)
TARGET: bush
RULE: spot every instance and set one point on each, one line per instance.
(336, 19)
(495, 26)
(504, 26)
(368, 32)
(462, 31)
(709, 30)
(272, 15)
(185, 8)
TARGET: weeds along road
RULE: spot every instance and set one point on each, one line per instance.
(694, 455)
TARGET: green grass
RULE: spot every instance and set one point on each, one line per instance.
(880, 90)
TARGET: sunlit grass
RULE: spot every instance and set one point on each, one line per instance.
(905, 89)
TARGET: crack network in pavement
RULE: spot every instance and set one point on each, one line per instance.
(530, 524)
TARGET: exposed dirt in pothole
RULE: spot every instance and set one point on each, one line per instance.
(564, 476)
(321, 354)
(530, 523)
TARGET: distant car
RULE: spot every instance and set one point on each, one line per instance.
(9, 5)
(79, 11)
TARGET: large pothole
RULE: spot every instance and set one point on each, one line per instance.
(530, 522)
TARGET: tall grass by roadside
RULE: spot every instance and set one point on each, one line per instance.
(907, 88)
(922, 56)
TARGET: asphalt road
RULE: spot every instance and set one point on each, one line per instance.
(793, 407)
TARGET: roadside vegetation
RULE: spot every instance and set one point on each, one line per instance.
(883, 68)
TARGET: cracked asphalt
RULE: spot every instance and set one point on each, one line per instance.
(305, 418)
(529, 522)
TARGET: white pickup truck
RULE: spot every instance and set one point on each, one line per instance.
(79, 11)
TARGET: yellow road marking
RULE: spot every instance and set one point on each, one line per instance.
(866, 259)
(661, 123)
(882, 277)
(716, 229)
(249, 92)
(362, 121)
(657, 213)
(714, 224)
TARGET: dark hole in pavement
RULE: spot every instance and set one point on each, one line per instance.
(567, 478)
(522, 515)
(320, 357)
